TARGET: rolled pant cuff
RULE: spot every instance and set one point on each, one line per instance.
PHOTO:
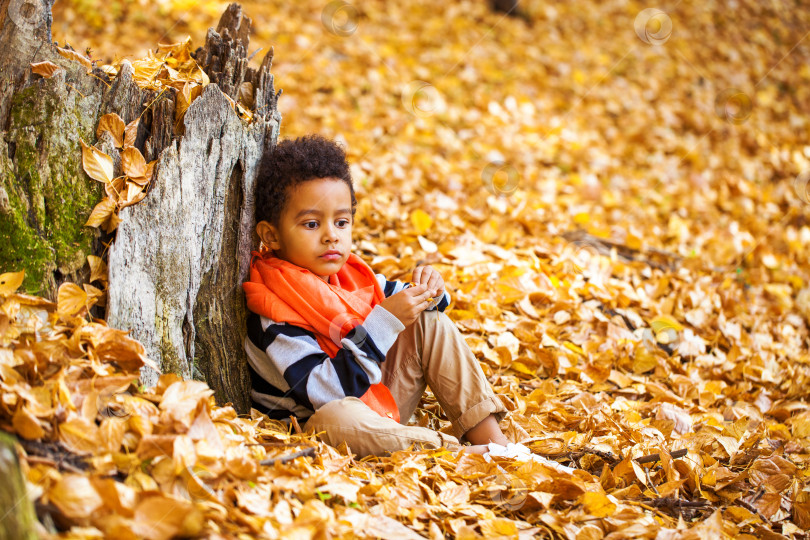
(448, 441)
(476, 414)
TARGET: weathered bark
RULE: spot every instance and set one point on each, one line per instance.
(179, 255)
(17, 517)
(44, 195)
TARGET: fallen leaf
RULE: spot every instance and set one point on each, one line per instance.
(98, 268)
(115, 125)
(101, 213)
(131, 133)
(10, 282)
(597, 504)
(133, 163)
(73, 55)
(70, 299)
(161, 518)
(75, 496)
(46, 69)
(97, 164)
(421, 221)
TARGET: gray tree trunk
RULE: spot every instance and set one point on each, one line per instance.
(45, 197)
(180, 255)
(17, 517)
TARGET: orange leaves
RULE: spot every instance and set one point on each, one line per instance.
(597, 504)
(10, 282)
(421, 221)
(681, 324)
(133, 163)
(46, 69)
(75, 496)
(175, 68)
(181, 400)
(115, 125)
(161, 518)
(97, 164)
(70, 299)
(73, 55)
(101, 213)
(124, 190)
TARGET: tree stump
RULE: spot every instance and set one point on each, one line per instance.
(17, 517)
(180, 255)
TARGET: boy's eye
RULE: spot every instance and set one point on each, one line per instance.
(313, 224)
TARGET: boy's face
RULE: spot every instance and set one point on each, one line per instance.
(315, 229)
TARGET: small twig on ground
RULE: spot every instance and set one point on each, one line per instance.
(651, 509)
(753, 509)
(63, 465)
(672, 503)
(53, 452)
(576, 456)
(652, 458)
(307, 452)
(649, 480)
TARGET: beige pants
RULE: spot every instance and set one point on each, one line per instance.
(429, 352)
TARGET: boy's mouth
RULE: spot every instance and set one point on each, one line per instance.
(332, 255)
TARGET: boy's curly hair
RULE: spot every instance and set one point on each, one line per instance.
(292, 162)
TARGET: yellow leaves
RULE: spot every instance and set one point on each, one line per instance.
(101, 213)
(597, 504)
(46, 69)
(582, 218)
(97, 164)
(801, 509)
(133, 163)
(70, 299)
(665, 322)
(27, 425)
(181, 399)
(453, 494)
(677, 234)
(800, 425)
(499, 528)
(421, 221)
(161, 518)
(188, 93)
(75, 496)
(98, 268)
(121, 191)
(115, 125)
(80, 435)
(644, 360)
(76, 57)
(10, 282)
(131, 132)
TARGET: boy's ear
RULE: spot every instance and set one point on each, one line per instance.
(268, 234)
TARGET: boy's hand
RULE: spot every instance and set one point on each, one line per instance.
(430, 277)
(406, 305)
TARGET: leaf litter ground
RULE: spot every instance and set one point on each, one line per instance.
(618, 200)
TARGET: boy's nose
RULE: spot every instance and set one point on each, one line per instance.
(330, 234)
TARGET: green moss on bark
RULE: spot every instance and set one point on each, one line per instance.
(49, 195)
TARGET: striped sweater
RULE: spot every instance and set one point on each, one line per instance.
(292, 376)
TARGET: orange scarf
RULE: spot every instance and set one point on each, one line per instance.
(285, 292)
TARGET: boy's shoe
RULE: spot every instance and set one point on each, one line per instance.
(520, 452)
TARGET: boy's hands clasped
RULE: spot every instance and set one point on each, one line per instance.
(407, 304)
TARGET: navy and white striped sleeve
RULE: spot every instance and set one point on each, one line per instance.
(290, 371)
(393, 287)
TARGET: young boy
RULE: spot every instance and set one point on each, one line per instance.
(342, 349)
